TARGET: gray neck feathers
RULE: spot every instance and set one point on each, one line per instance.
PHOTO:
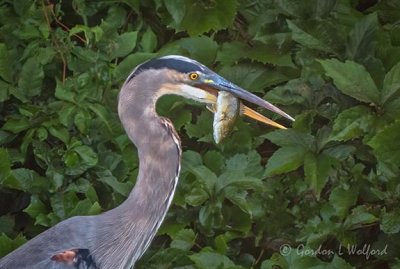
(128, 229)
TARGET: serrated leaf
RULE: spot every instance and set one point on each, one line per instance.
(231, 52)
(31, 77)
(210, 260)
(5, 164)
(247, 164)
(130, 62)
(60, 132)
(203, 127)
(342, 199)
(284, 160)
(210, 216)
(390, 223)
(290, 138)
(386, 144)
(64, 91)
(237, 179)
(316, 171)
(306, 39)
(5, 64)
(88, 156)
(201, 17)
(352, 123)
(352, 79)
(203, 48)
(16, 125)
(103, 114)
(359, 43)
(7, 245)
(391, 83)
(252, 77)
(124, 44)
(36, 207)
(184, 239)
(26, 179)
(196, 196)
(359, 216)
(148, 41)
(120, 187)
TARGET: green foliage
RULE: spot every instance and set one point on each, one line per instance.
(298, 198)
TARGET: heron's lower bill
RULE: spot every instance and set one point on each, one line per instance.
(226, 110)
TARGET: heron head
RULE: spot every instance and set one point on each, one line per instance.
(191, 79)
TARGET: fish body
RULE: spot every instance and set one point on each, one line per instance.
(226, 110)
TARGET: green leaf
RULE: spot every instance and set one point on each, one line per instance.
(390, 223)
(16, 125)
(360, 39)
(119, 187)
(284, 160)
(202, 129)
(306, 39)
(124, 44)
(201, 17)
(130, 62)
(247, 164)
(64, 91)
(359, 216)
(36, 207)
(386, 144)
(205, 176)
(252, 77)
(103, 114)
(231, 52)
(291, 137)
(352, 79)
(352, 123)
(196, 196)
(316, 171)
(210, 260)
(237, 179)
(342, 199)
(7, 245)
(391, 83)
(203, 48)
(31, 77)
(81, 121)
(88, 156)
(184, 239)
(26, 179)
(148, 41)
(210, 217)
(177, 9)
(5, 164)
(5, 64)
(60, 132)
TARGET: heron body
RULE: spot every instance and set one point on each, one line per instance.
(117, 238)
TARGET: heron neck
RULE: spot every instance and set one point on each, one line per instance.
(140, 216)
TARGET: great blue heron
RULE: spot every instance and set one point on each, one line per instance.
(117, 238)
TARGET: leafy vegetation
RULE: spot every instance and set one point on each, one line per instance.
(265, 198)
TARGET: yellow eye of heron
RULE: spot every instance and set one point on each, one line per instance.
(193, 76)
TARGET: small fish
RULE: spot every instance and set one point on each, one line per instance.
(226, 111)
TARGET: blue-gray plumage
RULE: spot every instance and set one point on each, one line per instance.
(117, 238)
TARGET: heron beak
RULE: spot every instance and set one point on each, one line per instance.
(244, 110)
(217, 82)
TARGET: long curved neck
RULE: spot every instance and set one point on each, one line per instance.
(136, 221)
